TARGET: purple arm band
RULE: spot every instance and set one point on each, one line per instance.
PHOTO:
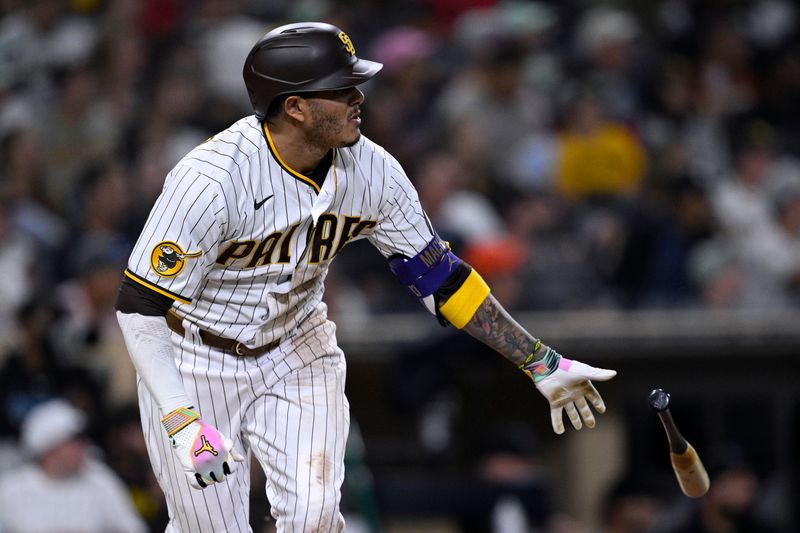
(424, 273)
(407, 271)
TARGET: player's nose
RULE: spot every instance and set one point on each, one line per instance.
(356, 96)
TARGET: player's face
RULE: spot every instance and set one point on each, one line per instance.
(335, 117)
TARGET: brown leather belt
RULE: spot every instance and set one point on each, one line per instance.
(175, 323)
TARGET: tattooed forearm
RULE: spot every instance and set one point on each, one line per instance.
(493, 326)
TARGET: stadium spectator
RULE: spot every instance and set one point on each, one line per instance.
(598, 157)
(63, 488)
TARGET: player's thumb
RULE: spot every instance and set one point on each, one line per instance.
(236, 456)
(591, 372)
(602, 374)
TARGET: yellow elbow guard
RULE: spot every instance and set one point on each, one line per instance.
(461, 306)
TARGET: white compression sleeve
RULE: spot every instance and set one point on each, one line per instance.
(147, 339)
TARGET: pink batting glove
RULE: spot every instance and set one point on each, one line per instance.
(205, 454)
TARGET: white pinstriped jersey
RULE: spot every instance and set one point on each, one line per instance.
(243, 242)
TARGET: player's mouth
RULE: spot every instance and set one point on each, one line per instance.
(355, 118)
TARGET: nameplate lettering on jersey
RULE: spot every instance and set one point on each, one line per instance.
(433, 252)
(326, 239)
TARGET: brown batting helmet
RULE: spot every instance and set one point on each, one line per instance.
(302, 57)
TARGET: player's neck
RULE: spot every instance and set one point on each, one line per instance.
(295, 150)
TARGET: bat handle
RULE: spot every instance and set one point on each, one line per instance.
(677, 444)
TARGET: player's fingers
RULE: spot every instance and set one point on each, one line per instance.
(572, 413)
(585, 411)
(594, 397)
(209, 478)
(226, 468)
(557, 419)
(197, 481)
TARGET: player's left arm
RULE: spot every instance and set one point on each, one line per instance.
(567, 384)
(458, 295)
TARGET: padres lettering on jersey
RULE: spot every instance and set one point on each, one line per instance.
(244, 241)
(327, 231)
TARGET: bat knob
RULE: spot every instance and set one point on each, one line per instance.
(659, 400)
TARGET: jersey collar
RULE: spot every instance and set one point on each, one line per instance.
(302, 177)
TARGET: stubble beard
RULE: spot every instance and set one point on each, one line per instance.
(328, 130)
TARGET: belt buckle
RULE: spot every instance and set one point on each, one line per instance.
(237, 348)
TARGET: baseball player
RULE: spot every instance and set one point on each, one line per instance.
(221, 303)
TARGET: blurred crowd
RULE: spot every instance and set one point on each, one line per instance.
(579, 154)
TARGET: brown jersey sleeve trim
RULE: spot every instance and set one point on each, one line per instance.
(156, 288)
(136, 298)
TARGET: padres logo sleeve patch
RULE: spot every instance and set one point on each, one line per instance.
(167, 258)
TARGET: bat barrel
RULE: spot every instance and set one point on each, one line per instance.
(692, 476)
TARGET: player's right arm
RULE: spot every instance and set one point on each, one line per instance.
(141, 315)
(167, 265)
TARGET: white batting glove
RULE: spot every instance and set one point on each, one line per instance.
(566, 384)
(205, 454)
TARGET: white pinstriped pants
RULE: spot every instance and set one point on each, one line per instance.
(287, 406)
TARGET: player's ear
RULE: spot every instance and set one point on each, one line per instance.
(296, 107)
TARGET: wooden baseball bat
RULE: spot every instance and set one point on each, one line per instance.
(689, 469)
